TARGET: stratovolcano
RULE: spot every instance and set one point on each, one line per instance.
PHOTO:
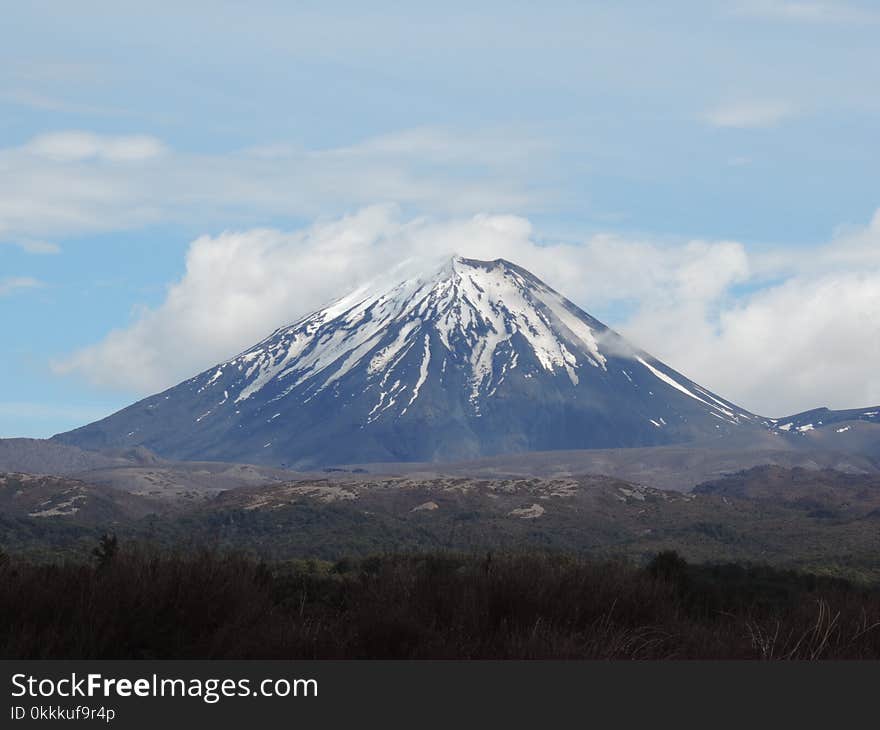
(472, 359)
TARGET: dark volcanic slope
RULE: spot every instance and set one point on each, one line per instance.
(38, 456)
(475, 359)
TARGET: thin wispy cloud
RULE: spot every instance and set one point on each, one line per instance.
(49, 103)
(13, 284)
(811, 12)
(37, 247)
(750, 114)
(76, 146)
(74, 182)
(41, 248)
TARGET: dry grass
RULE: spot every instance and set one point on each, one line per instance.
(141, 604)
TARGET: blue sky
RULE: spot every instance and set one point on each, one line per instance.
(730, 147)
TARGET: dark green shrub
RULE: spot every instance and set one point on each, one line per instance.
(668, 565)
(108, 547)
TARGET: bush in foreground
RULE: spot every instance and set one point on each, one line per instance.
(142, 604)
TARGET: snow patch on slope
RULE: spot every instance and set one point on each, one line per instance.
(716, 406)
(423, 373)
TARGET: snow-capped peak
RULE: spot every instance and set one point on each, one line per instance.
(467, 310)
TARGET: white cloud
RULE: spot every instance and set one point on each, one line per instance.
(748, 114)
(13, 284)
(71, 183)
(806, 343)
(37, 247)
(77, 146)
(813, 339)
(241, 285)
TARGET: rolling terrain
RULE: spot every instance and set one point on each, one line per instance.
(817, 520)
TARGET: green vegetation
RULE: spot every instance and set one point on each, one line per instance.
(108, 547)
(147, 603)
(811, 521)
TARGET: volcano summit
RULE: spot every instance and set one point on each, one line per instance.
(473, 359)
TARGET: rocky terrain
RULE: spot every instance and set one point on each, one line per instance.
(817, 520)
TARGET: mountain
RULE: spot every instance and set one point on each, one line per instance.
(476, 358)
(854, 431)
(825, 417)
